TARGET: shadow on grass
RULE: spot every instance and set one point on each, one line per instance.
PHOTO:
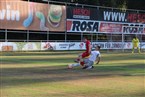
(23, 76)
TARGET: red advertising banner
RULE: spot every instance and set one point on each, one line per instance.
(136, 17)
(82, 13)
(144, 29)
(110, 27)
(25, 15)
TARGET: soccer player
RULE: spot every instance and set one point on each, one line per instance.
(86, 53)
(135, 44)
(88, 62)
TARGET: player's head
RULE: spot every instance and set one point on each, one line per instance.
(85, 39)
(98, 48)
(134, 36)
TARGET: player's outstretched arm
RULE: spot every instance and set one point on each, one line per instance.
(98, 60)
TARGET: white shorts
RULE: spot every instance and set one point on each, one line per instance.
(88, 62)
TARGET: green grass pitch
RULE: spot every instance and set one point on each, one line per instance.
(44, 74)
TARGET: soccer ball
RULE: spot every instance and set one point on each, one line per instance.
(70, 66)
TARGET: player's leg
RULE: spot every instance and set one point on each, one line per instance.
(78, 58)
(133, 49)
(138, 49)
(84, 55)
(88, 65)
(70, 66)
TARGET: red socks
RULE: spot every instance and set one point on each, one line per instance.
(82, 63)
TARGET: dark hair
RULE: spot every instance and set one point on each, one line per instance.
(85, 37)
(134, 36)
(99, 47)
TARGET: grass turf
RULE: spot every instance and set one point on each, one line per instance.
(44, 74)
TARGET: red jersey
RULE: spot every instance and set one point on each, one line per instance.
(88, 46)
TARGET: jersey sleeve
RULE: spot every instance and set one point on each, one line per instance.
(137, 40)
(132, 40)
(99, 55)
